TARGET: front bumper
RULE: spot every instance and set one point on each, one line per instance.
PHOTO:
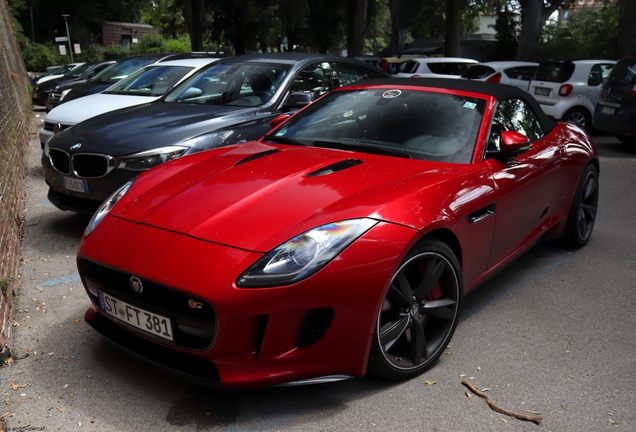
(256, 340)
(99, 188)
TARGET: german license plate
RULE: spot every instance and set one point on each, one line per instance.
(155, 324)
(608, 110)
(74, 184)
(541, 91)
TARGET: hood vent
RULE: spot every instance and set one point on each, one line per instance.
(256, 156)
(338, 166)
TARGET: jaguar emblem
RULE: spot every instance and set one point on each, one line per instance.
(136, 285)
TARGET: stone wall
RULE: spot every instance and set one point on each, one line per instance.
(15, 107)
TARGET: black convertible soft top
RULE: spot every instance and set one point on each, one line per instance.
(500, 92)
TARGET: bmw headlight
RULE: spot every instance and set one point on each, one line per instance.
(106, 207)
(210, 140)
(304, 254)
(64, 93)
(150, 158)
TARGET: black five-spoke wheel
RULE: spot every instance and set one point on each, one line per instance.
(582, 213)
(419, 313)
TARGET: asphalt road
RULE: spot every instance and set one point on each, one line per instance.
(553, 334)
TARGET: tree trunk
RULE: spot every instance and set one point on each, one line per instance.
(359, 27)
(193, 15)
(626, 28)
(535, 14)
(453, 24)
(399, 26)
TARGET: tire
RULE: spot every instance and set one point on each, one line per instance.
(419, 313)
(579, 116)
(582, 214)
(627, 140)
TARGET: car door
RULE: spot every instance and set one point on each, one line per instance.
(528, 186)
(598, 75)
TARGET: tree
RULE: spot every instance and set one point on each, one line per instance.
(326, 24)
(357, 25)
(193, 14)
(507, 33)
(590, 34)
(402, 14)
(535, 14)
(626, 28)
(453, 28)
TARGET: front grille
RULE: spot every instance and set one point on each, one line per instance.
(88, 165)
(193, 327)
(314, 327)
(55, 97)
(60, 161)
(50, 126)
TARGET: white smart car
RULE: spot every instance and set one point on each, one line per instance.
(145, 85)
(513, 73)
(436, 67)
(568, 90)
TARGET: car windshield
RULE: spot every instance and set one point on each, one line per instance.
(623, 73)
(414, 124)
(64, 69)
(121, 70)
(554, 72)
(153, 80)
(236, 84)
(79, 71)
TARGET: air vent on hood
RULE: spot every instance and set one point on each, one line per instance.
(256, 156)
(338, 166)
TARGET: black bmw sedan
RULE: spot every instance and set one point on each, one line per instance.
(230, 101)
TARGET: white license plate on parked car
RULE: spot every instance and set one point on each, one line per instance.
(77, 185)
(157, 325)
(541, 91)
(608, 110)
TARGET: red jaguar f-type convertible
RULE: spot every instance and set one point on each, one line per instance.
(340, 243)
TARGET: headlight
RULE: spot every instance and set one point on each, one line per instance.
(210, 140)
(106, 207)
(150, 158)
(303, 255)
(64, 93)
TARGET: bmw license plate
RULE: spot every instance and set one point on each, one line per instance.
(74, 184)
(608, 110)
(541, 91)
(157, 325)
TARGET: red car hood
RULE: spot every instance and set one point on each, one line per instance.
(256, 196)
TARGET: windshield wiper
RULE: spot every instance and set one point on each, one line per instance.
(363, 147)
(283, 140)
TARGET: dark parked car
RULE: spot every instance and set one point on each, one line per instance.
(122, 68)
(616, 109)
(230, 101)
(78, 75)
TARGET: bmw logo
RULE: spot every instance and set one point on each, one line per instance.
(136, 285)
(76, 146)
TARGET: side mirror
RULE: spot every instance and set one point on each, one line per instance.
(297, 100)
(278, 120)
(512, 144)
(192, 92)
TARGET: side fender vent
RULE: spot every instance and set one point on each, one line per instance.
(314, 327)
(338, 166)
(255, 156)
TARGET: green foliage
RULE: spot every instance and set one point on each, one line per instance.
(5, 283)
(587, 35)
